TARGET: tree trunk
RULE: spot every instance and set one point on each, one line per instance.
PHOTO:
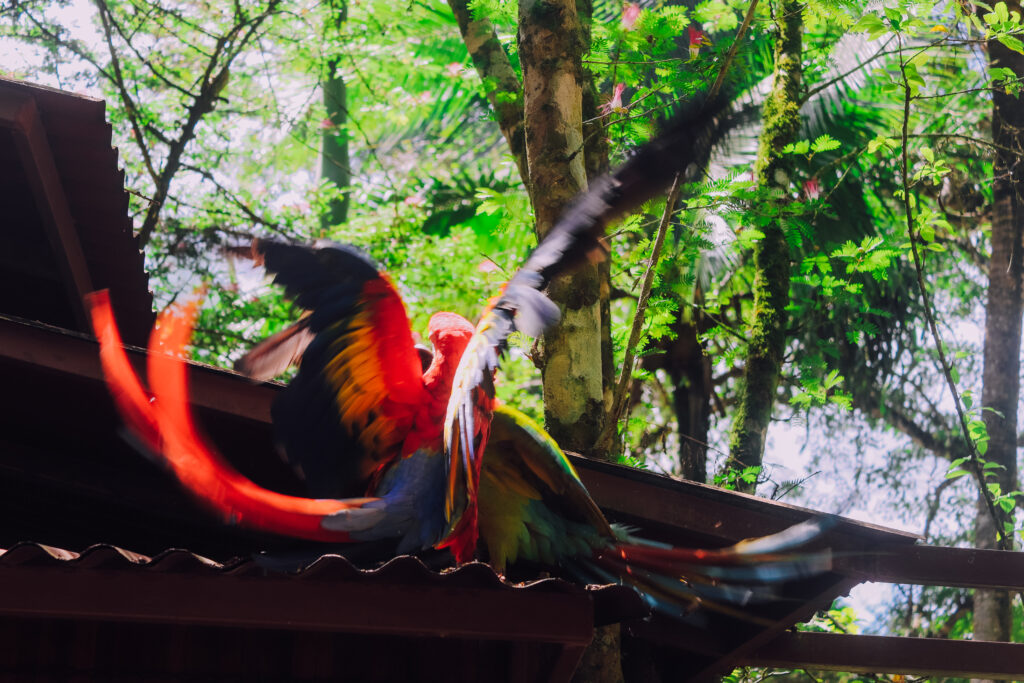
(334, 157)
(683, 357)
(1001, 379)
(690, 370)
(551, 45)
(504, 93)
(602, 660)
(771, 255)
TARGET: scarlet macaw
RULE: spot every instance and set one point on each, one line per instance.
(532, 505)
(394, 451)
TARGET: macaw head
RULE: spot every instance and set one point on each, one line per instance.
(449, 333)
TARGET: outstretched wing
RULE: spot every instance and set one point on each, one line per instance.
(575, 238)
(360, 380)
(532, 504)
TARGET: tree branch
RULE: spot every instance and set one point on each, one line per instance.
(504, 91)
(974, 458)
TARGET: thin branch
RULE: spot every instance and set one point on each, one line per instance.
(967, 138)
(212, 80)
(625, 377)
(731, 54)
(832, 81)
(627, 107)
(968, 91)
(974, 461)
(126, 98)
(242, 206)
(622, 61)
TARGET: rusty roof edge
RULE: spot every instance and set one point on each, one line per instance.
(50, 90)
(328, 566)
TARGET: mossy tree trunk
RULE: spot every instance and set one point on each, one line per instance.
(1001, 377)
(552, 40)
(771, 255)
(334, 155)
(575, 358)
(596, 161)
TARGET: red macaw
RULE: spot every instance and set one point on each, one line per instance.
(425, 456)
(532, 506)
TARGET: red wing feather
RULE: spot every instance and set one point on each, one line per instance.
(352, 404)
(375, 374)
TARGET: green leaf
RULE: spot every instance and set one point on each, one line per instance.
(998, 73)
(956, 474)
(1012, 43)
(870, 23)
(825, 143)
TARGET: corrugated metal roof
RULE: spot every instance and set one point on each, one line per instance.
(612, 602)
(397, 621)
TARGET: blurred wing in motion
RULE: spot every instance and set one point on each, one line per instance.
(533, 508)
(577, 237)
(351, 406)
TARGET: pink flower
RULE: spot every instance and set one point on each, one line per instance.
(812, 188)
(629, 15)
(453, 69)
(697, 38)
(488, 266)
(615, 105)
(326, 124)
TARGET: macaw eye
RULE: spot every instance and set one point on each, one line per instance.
(426, 356)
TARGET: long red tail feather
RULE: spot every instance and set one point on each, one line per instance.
(166, 426)
(132, 400)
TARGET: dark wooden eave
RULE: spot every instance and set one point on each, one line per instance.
(65, 224)
(917, 565)
(939, 657)
(20, 116)
(67, 476)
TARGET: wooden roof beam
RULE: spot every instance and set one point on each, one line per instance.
(891, 654)
(52, 348)
(19, 114)
(925, 565)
